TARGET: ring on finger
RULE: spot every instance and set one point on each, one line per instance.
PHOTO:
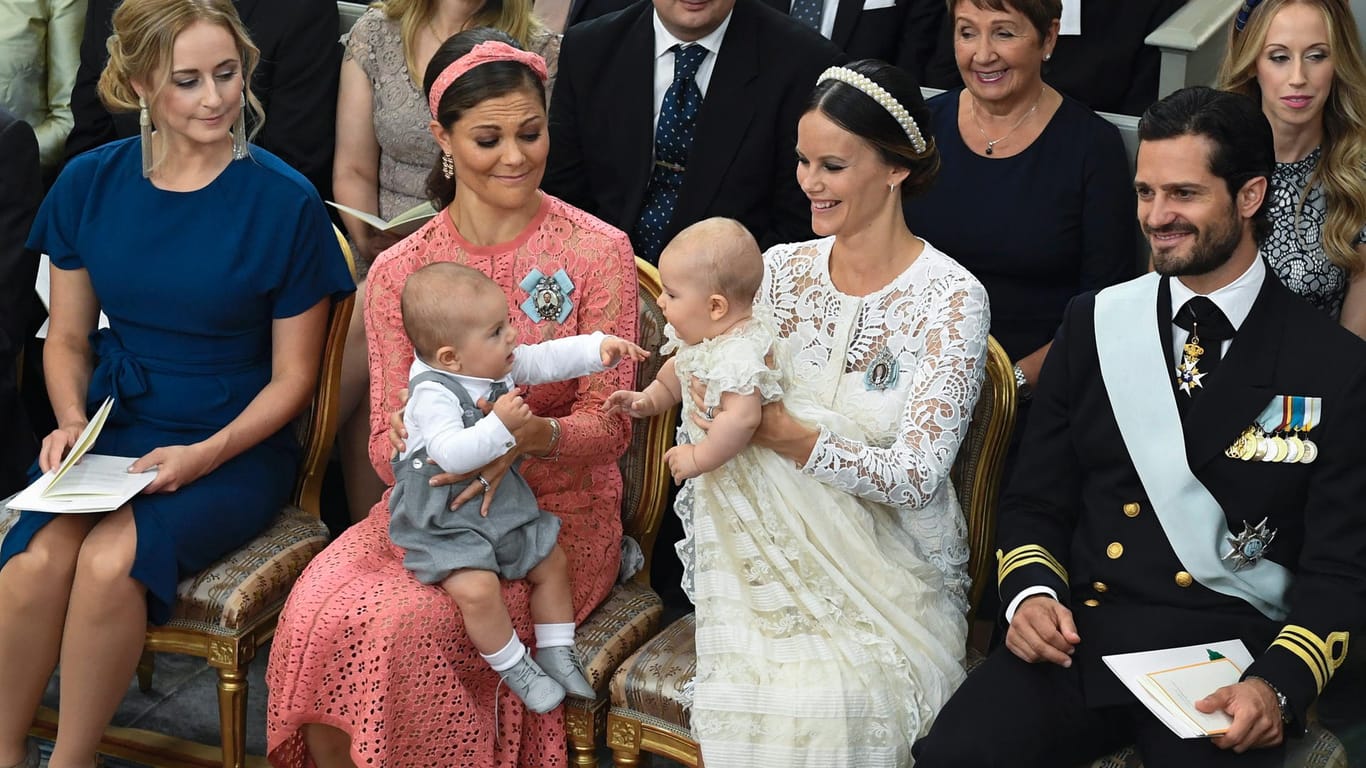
(710, 413)
(482, 482)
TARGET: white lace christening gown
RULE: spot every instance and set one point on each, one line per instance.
(831, 598)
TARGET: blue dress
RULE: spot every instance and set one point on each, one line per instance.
(191, 282)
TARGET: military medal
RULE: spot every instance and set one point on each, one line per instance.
(1250, 545)
(1188, 374)
(1311, 452)
(1279, 434)
(1245, 444)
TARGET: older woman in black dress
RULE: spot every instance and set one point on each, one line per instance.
(1035, 197)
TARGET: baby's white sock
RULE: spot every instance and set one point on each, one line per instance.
(508, 657)
(550, 635)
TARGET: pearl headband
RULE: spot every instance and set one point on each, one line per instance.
(484, 53)
(882, 97)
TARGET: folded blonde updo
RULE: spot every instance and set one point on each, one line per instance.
(144, 37)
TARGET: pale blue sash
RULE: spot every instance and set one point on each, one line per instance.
(1137, 375)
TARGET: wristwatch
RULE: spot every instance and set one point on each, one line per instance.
(1022, 384)
(1281, 700)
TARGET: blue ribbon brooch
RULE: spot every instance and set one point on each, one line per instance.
(547, 297)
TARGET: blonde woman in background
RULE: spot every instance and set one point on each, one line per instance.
(385, 151)
(1302, 61)
(215, 263)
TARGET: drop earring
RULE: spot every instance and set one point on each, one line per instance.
(239, 132)
(145, 134)
(447, 166)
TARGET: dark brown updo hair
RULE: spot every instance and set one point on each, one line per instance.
(858, 113)
(484, 82)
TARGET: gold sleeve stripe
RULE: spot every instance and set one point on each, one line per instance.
(1033, 554)
(1032, 550)
(1029, 554)
(1296, 645)
(1322, 655)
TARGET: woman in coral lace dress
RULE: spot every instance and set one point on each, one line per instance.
(368, 666)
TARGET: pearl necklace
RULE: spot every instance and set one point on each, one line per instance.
(991, 143)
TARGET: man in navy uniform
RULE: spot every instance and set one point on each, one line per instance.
(1191, 473)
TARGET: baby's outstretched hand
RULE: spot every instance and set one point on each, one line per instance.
(615, 349)
(512, 410)
(628, 402)
(682, 463)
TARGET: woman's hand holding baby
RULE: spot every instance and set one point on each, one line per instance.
(615, 349)
(778, 430)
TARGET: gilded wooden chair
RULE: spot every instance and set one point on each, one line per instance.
(650, 708)
(631, 613)
(226, 612)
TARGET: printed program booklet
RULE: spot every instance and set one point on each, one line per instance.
(1169, 682)
(405, 223)
(84, 481)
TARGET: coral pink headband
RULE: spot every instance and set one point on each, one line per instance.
(483, 53)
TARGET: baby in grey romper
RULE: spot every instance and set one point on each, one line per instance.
(466, 350)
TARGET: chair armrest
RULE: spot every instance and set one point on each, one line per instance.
(1192, 42)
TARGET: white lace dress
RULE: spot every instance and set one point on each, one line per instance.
(831, 598)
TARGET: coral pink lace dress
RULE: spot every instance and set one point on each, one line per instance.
(362, 645)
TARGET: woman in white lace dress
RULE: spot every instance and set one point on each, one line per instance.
(831, 598)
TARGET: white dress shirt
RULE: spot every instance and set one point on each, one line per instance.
(664, 59)
(432, 415)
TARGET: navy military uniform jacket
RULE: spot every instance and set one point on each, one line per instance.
(1076, 517)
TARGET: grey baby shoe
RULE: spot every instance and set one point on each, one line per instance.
(537, 690)
(562, 663)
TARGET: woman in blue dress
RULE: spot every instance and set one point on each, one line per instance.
(216, 265)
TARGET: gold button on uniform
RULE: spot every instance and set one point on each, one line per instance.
(1099, 586)
(1114, 550)
(1132, 509)
(1091, 603)
(1184, 579)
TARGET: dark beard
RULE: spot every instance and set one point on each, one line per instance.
(1213, 247)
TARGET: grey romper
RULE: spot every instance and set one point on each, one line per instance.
(513, 539)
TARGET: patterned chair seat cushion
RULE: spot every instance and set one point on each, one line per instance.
(8, 518)
(230, 595)
(656, 683)
(1318, 749)
(628, 616)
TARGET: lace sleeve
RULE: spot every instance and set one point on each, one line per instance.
(608, 305)
(944, 389)
(390, 353)
(361, 40)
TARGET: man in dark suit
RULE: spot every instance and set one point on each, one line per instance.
(20, 193)
(1191, 474)
(900, 32)
(758, 71)
(296, 82)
